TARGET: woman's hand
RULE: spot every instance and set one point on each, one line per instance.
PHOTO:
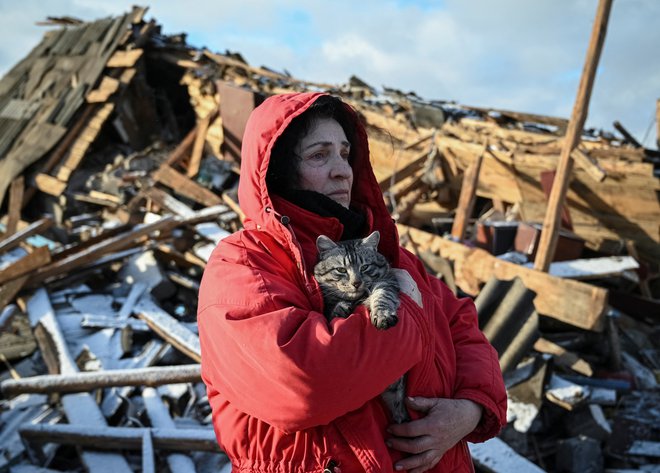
(408, 286)
(446, 422)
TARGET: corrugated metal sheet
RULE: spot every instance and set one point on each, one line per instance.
(508, 319)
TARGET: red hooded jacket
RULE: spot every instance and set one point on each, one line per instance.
(290, 392)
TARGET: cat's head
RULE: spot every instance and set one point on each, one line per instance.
(325, 244)
(349, 267)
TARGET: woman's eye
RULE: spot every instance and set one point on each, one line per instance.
(317, 156)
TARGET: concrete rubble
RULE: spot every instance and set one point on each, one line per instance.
(119, 160)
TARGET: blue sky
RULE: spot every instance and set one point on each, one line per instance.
(513, 54)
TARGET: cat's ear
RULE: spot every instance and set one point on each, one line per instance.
(372, 240)
(323, 243)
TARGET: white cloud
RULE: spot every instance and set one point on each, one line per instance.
(525, 56)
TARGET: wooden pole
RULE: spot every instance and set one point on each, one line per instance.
(467, 198)
(15, 204)
(120, 438)
(548, 242)
(657, 123)
(80, 382)
(7, 241)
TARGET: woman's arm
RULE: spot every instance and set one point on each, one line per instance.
(478, 373)
(274, 358)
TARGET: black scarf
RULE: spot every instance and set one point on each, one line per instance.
(324, 206)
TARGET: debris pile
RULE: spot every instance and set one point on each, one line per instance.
(120, 156)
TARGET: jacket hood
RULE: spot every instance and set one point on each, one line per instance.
(265, 125)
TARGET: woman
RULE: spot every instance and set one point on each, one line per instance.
(290, 392)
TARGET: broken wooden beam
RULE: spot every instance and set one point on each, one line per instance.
(467, 198)
(13, 240)
(200, 141)
(80, 382)
(182, 149)
(79, 408)
(408, 170)
(63, 146)
(580, 304)
(170, 329)
(48, 334)
(15, 204)
(94, 252)
(593, 268)
(38, 258)
(121, 438)
(159, 417)
(564, 357)
(8, 291)
(590, 165)
(185, 186)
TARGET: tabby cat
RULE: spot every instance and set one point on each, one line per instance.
(351, 273)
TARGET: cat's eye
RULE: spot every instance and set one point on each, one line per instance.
(341, 270)
(364, 267)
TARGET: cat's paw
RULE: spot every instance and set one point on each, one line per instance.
(384, 319)
(343, 309)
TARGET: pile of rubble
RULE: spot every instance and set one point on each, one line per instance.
(120, 154)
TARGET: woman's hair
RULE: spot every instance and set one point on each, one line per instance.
(283, 174)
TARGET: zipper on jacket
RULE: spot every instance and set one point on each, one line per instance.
(286, 221)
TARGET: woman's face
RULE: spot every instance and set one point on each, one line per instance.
(324, 165)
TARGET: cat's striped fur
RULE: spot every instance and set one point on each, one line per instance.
(351, 273)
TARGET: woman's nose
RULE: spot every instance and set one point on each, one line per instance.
(341, 167)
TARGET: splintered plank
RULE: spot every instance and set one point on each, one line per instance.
(590, 165)
(15, 204)
(84, 140)
(159, 417)
(170, 329)
(185, 186)
(94, 252)
(592, 268)
(48, 334)
(467, 198)
(80, 382)
(8, 291)
(30, 262)
(12, 241)
(580, 304)
(198, 146)
(49, 184)
(79, 408)
(408, 170)
(120, 438)
(182, 149)
(564, 357)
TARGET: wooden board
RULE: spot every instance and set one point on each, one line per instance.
(573, 302)
(186, 186)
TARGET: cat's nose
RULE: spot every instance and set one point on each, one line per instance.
(356, 284)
